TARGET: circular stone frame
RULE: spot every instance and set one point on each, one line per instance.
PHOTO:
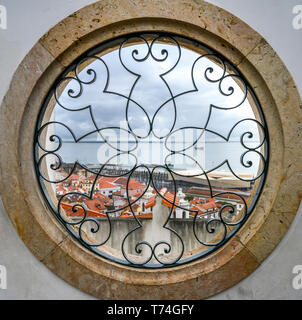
(48, 239)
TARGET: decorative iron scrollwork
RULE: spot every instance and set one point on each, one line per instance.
(71, 206)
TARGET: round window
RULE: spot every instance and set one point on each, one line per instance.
(152, 150)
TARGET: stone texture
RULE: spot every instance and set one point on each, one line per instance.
(275, 170)
(290, 193)
(72, 30)
(282, 194)
(269, 234)
(148, 24)
(88, 273)
(26, 77)
(14, 199)
(282, 87)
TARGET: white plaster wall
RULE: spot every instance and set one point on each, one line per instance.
(27, 22)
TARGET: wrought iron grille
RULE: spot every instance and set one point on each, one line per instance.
(139, 206)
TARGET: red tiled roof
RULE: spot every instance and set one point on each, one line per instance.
(74, 177)
(170, 197)
(122, 181)
(136, 194)
(95, 204)
(151, 202)
(105, 184)
(133, 184)
(99, 195)
(197, 208)
(208, 206)
(148, 215)
(204, 207)
(91, 178)
(125, 215)
(80, 212)
(109, 179)
(140, 216)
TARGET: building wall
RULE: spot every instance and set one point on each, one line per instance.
(28, 20)
(151, 231)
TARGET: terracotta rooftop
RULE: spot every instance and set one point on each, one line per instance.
(103, 184)
(151, 202)
(74, 177)
(133, 184)
(170, 197)
(95, 204)
(80, 212)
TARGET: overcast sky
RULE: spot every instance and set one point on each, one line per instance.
(150, 92)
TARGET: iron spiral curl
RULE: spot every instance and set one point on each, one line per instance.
(75, 82)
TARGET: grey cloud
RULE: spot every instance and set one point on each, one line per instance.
(150, 92)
